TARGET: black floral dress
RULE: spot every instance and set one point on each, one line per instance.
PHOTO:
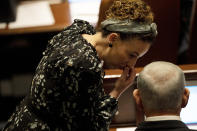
(66, 92)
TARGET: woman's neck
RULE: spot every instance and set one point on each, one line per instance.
(92, 39)
(98, 42)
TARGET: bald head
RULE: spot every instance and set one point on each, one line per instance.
(161, 87)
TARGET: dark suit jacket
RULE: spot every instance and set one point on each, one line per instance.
(167, 125)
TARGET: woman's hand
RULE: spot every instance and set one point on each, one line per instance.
(126, 80)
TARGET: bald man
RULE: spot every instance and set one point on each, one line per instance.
(161, 94)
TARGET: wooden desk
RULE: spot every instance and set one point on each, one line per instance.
(138, 69)
(112, 129)
(61, 13)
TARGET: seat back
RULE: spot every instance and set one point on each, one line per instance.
(167, 17)
(192, 57)
(128, 114)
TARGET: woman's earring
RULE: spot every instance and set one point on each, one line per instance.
(110, 45)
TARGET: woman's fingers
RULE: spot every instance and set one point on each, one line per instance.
(128, 73)
(125, 81)
(132, 73)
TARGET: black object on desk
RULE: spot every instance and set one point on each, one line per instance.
(8, 10)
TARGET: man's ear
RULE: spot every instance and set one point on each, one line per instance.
(185, 97)
(112, 37)
(137, 98)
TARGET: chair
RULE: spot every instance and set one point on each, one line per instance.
(191, 55)
(128, 114)
(167, 17)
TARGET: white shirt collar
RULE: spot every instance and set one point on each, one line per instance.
(162, 118)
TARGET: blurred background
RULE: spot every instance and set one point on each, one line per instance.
(27, 25)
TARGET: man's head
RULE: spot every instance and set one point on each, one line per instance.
(161, 89)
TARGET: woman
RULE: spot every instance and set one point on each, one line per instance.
(66, 91)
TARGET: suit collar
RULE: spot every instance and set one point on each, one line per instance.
(161, 125)
(161, 118)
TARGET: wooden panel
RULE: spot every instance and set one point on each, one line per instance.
(192, 55)
(167, 16)
(105, 4)
(128, 114)
(112, 129)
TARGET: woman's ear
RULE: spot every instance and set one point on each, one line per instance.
(112, 37)
(185, 98)
(137, 98)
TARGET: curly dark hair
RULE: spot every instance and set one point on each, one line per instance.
(136, 10)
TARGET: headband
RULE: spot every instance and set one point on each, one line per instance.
(129, 27)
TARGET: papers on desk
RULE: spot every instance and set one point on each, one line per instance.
(126, 129)
(3, 25)
(33, 14)
(85, 10)
(194, 127)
